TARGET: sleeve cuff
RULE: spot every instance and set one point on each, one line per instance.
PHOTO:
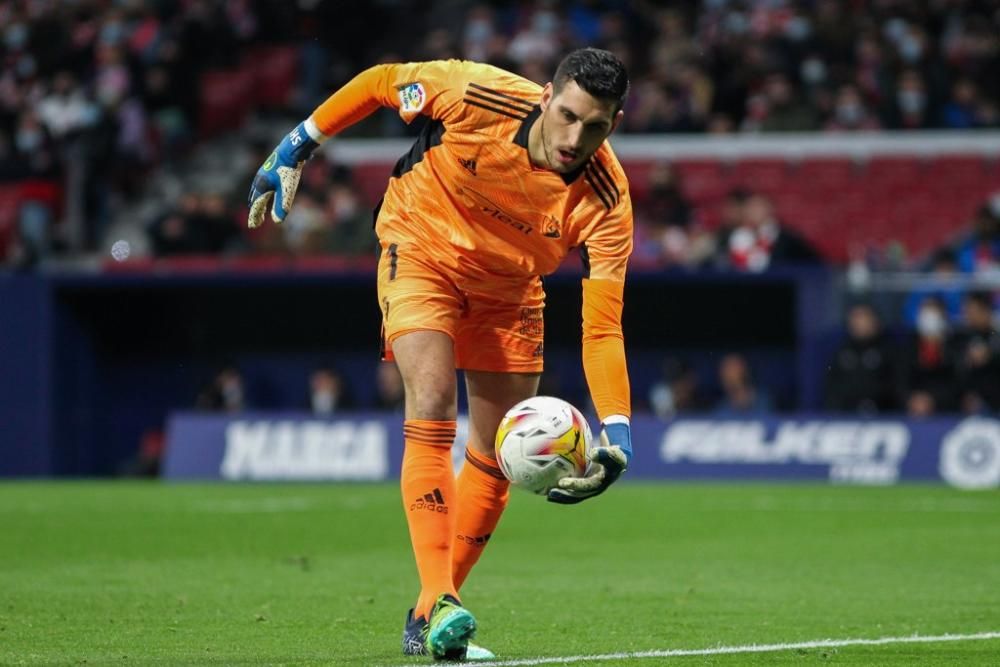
(616, 419)
(313, 131)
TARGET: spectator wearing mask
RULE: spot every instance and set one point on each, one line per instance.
(978, 355)
(943, 268)
(862, 375)
(850, 112)
(927, 373)
(328, 393)
(225, 393)
(911, 109)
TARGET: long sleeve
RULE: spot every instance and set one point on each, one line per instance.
(604, 347)
(431, 88)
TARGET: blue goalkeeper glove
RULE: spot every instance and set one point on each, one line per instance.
(608, 461)
(278, 177)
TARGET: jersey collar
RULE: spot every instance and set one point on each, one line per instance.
(521, 139)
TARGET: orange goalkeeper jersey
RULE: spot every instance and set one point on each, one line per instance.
(471, 193)
(470, 197)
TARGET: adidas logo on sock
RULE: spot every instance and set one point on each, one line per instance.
(479, 541)
(433, 502)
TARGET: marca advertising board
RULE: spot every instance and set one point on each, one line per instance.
(368, 447)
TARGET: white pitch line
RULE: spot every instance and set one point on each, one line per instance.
(750, 648)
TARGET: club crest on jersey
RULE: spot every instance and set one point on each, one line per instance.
(412, 97)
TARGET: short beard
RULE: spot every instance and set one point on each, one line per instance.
(545, 147)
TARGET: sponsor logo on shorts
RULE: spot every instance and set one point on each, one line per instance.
(532, 322)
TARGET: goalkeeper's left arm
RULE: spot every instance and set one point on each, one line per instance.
(607, 377)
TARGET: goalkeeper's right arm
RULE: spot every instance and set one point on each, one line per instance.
(411, 88)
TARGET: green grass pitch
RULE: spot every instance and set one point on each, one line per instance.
(99, 573)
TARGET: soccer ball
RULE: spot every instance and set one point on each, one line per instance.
(540, 441)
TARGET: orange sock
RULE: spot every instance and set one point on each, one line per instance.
(429, 499)
(482, 496)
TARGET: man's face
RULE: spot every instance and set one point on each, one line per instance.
(574, 125)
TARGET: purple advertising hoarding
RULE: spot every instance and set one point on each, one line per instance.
(368, 447)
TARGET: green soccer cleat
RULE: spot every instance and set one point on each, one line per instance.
(449, 630)
(415, 641)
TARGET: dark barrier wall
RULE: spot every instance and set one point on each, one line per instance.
(91, 363)
(26, 376)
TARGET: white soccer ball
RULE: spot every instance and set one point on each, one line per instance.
(540, 441)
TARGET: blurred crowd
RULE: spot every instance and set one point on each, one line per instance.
(945, 364)
(96, 96)
(325, 392)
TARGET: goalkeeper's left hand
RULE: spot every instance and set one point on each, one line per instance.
(608, 461)
(278, 177)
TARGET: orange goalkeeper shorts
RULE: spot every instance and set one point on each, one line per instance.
(496, 325)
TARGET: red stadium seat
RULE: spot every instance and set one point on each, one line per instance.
(372, 179)
(702, 180)
(766, 175)
(840, 205)
(226, 99)
(274, 73)
(880, 171)
(826, 173)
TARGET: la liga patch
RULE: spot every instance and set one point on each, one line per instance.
(412, 97)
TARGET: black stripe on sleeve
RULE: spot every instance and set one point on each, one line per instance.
(504, 112)
(604, 177)
(495, 102)
(528, 106)
(600, 192)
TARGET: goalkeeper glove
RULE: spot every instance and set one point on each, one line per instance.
(279, 176)
(608, 461)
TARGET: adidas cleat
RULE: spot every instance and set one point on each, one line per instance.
(414, 635)
(415, 641)
(449, 630)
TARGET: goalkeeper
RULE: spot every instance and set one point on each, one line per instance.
(505, 179)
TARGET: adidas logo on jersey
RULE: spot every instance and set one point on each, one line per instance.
(432, 502)
(470, 165)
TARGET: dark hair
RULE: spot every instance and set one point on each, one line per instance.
(597, 72)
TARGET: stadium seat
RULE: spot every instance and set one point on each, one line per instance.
(226, 99)
(767, 176)
(274, 73)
